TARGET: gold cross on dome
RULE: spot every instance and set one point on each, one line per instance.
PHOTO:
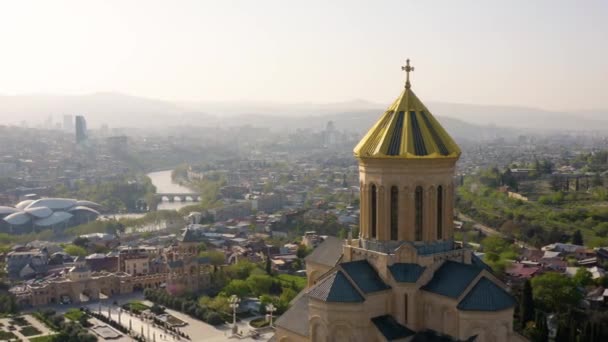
(407, 68)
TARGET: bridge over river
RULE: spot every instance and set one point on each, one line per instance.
(171, 195)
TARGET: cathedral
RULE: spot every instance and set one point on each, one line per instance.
(404, 278)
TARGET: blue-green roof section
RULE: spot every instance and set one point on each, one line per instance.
(364, 276)
(452, 278)
(390, 328)
(486, 296)
(336, 288)
(406, 272)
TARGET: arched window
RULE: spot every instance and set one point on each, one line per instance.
(439, 212)
(374, 209)
(405, 308)
(394, 213)
(418, 212)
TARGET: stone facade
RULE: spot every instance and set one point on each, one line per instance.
(185, 272)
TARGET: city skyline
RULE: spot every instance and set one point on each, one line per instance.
(543, 54)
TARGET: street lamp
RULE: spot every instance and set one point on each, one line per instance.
(234, 304)
(270, 309)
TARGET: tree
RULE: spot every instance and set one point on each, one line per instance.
(259, 284)
(81, 242)
(583, 277)
(237, 287)
(302, 251)
(526, 304)
(577, 238)
(74, 250)
(268, 265)
(215, 257)
(555, 292)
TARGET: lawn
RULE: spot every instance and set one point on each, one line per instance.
(30, 331)
(136, 306)
(74, 314)
(5, 336)
(20, 321)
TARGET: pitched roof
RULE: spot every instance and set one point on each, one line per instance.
(452, 278)
(336, 288)
(475, 260)
(390, 328)
(406, 272)
(296, 317)
(328, 252)
(189, 236)
(407, 130)
(486, 296)
(364, 275)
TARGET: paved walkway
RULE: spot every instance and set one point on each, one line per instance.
(196, 329)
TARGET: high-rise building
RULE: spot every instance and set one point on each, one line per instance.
(81, 129)
(68, 123)
(404, 277)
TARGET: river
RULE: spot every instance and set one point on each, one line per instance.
(164, 184)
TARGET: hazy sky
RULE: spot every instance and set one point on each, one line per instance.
(548, 54)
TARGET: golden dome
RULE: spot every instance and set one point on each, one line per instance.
(407, 130)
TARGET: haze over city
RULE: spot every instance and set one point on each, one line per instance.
(544, 54)
(313, 171)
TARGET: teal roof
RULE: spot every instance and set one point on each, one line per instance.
(390, 328)
(486, 296)
(364, 275)
(405, 272)
(475, 260)
(435, 247)
(336, 288)
(452, 278)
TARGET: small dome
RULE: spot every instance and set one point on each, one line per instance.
(83, 208)
(54, 203)
(18, 218)
(23, 204)
(89, 204)
(39, 212)
(56, 218)
(7, 210)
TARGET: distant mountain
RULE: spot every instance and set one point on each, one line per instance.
(119, 110)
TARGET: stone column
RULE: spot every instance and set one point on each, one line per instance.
(449, 213)
(404, 212)
(410, 209)
(364, 211)
(428, 228)
(381, 213)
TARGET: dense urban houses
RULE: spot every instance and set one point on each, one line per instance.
(403, 277)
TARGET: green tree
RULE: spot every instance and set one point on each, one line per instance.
(259, 284)
(583, 277)
(216, 258)
(577, 238)
(74, 250)
(526, 304)
(237, 287)
(555, 292)
(268, 265)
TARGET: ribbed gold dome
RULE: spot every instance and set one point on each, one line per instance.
(407, 130)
